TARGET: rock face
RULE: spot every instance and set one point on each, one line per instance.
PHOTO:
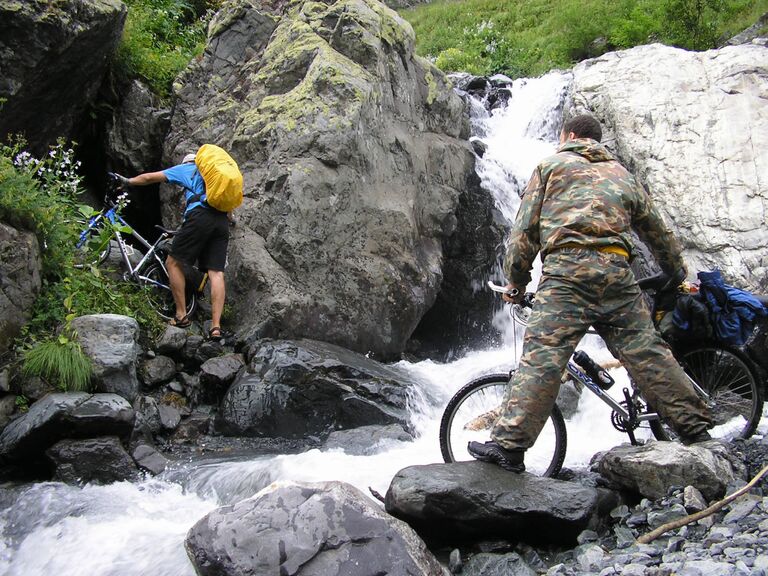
(355, 162)
(19, 280)
(111, 342)
(52, 60)
(309, 388)
(320, 529)
(471, 500)
(651, 469)
(136, 131)
(694, 127)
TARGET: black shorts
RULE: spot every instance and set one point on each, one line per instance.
(202, 239)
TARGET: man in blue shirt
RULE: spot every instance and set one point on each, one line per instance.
(203, 237)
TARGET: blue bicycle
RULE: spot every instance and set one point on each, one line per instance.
(142, 261)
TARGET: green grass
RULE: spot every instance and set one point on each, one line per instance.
(531, 37)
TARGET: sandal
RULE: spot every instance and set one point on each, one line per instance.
(215, 334)
(183, 322)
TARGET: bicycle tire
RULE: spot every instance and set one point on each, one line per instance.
(82, 252)
(730, 379)
(482, 395)
(159, 292)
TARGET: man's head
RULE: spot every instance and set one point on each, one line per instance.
(582, 126)
(188, 158)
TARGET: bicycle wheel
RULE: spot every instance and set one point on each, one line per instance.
(158, 290)
(472, 411)
(730, 380)
(86, 255)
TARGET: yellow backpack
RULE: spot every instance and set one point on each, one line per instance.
(223, 180)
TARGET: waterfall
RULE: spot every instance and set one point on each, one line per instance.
(134, 529)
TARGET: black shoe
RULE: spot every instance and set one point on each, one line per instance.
(511, 460)
(702, 436)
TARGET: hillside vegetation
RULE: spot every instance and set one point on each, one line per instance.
(530, 37)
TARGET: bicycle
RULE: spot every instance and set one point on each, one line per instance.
(108, 226)
(724, 377)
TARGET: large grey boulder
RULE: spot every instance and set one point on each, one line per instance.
(322, 529)
(694, 127)
(65, 415)
(309, 388)
(19, 280)
(479, 500)
(651, 469)
(53, 56)
(355, 163)
(111, 341)
(100, 460)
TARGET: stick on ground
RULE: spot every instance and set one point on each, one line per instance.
(680, 522)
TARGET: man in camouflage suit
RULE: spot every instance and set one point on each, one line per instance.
(577, 210)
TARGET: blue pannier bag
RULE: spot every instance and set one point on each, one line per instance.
(733, 311)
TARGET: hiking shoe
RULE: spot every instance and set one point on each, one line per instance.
(511, 460)
(702, 436)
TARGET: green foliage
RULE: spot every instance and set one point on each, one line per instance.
(161, 37)
(40, 195)
(531, 37)
(60, 361)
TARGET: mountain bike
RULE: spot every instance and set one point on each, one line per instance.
(724, 377)
(143, 262)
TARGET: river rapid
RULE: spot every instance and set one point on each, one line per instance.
(133, 529)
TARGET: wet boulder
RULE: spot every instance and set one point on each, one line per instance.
(294, 389)
(65, 415)
(93, 460)
(651, 469)
(474, 500)
(322, 529)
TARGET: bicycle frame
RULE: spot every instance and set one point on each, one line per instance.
(126, 250)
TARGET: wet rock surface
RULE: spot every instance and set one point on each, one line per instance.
(731, 542)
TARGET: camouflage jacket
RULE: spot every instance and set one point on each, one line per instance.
(583, 196)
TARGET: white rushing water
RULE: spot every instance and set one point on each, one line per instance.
(137, 529)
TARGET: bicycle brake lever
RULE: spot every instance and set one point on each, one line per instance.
(502, 289)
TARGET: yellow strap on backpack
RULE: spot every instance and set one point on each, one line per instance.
(223, 180)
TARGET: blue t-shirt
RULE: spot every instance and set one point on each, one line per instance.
(188, 177)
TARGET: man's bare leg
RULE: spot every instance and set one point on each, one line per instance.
(178, 285)
(216, 278)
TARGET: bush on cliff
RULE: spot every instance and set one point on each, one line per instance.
(531, 37)
(161, 37)
(42, 195)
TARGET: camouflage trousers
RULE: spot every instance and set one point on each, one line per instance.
(582, 288)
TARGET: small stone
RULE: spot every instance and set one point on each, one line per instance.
(675, 544)
(656, 519)
(587, 536)
(637, 519)
(740, 509)
(624, 536)
(633, 570)
(454, 562)
(590, 557)
(620, 512)
(693, 500)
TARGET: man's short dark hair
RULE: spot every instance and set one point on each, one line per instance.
(584, 126)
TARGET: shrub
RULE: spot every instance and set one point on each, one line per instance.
(161, 37)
